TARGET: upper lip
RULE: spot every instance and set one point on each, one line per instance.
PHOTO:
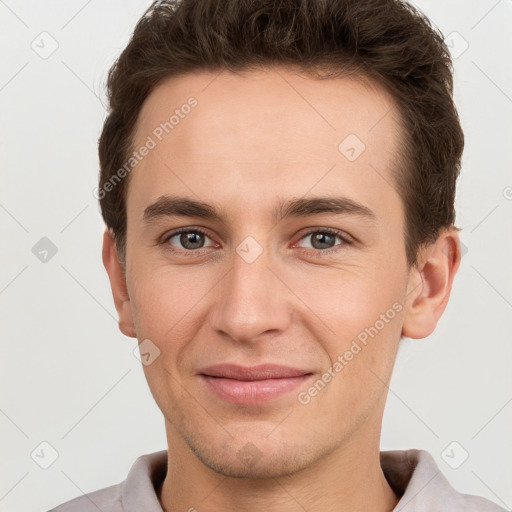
(260, 372)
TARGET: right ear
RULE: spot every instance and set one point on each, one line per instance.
(118, 285)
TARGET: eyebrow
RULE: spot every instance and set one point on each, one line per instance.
(173, 206)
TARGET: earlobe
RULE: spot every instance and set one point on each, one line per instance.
(118, 285)
(430, 284)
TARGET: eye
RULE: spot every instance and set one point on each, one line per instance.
(190, 239)
(324, 240)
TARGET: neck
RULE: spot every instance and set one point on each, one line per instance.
(350, 478)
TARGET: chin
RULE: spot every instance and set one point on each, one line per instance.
(264, 458)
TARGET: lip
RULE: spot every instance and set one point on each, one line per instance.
(260, 372)
(253, 385)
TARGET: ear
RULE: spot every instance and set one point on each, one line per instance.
(430, 284)
(118, 284)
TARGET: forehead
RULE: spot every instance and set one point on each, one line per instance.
(264, 132)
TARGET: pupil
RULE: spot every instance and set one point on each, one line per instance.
(187, 239)
(320, 237)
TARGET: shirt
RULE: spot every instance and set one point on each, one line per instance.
(412, 474)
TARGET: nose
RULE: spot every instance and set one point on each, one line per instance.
(251, 300)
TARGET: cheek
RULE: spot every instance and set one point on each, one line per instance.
(358, 314)
(348, 298)
(164, 300)
(165, 304)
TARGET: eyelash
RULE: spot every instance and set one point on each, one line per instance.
(193, 252)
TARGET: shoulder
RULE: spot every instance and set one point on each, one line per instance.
(106, 500)
(134, 494)
(415, 476)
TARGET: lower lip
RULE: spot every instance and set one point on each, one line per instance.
(252, 392)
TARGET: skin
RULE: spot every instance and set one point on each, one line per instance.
(253, 139)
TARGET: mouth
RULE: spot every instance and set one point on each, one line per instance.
(252, 385)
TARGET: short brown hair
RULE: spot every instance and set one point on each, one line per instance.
(386, 40)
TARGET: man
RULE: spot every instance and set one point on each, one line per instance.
(277, 180)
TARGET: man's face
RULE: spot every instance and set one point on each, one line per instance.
(257, 288)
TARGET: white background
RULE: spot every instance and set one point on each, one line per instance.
(69, 377)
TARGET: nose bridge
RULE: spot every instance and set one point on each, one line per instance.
(252, 300)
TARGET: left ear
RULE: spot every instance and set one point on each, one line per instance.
(430, 284)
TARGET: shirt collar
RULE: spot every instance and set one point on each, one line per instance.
(138, 491)
(412, 474)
